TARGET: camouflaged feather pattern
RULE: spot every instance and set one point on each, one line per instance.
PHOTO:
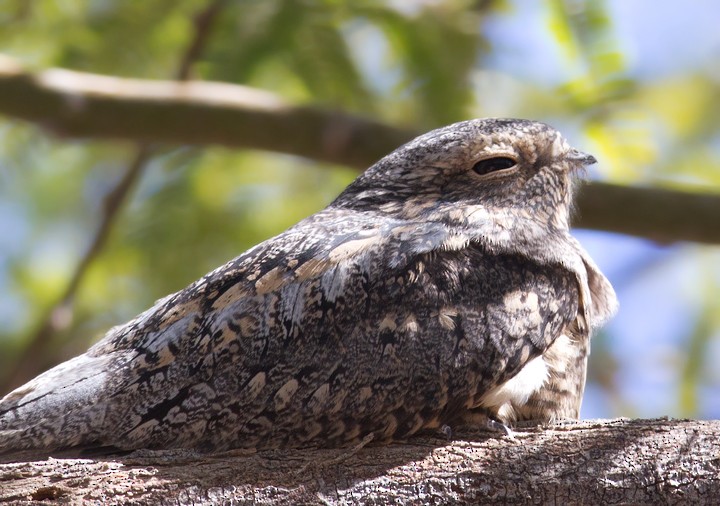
(424, 295)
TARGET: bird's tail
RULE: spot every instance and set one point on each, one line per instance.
(62, 408)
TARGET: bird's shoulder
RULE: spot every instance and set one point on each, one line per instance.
(308, 253)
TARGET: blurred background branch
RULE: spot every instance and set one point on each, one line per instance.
(75, 104)
(81, 105)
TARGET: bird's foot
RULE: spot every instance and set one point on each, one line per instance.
(447, 431)
(497, 426)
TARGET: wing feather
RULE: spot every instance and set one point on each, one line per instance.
(257, 353)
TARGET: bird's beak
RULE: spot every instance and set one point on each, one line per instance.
(581, 158)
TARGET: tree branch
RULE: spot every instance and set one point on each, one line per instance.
(659, 214)
(592, 462)
(81, 105)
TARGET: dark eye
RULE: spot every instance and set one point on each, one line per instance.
(492, 164)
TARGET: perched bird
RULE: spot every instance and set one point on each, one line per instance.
(442, 287)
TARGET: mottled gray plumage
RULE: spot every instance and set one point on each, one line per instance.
(441, 285)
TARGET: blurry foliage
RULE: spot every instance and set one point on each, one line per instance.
(418, 64)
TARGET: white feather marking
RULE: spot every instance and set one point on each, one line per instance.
(292, 301)
(518, 389)
(559, 146)
(455, 242)
(333, 280)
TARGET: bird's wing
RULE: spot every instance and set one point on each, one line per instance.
(343, 314)
(163, 353)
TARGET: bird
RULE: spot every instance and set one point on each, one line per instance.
(441, 288)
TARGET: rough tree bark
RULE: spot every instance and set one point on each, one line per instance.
(592, 462)
(81, 105)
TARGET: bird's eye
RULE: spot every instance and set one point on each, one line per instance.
(493, 164)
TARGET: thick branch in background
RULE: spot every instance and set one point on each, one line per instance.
(593, 462)
(658, 214)
(81, 105)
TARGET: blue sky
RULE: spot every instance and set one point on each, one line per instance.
(658, 39)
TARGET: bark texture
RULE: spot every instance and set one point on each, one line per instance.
(592, 462)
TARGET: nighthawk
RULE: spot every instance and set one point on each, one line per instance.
(441, 287)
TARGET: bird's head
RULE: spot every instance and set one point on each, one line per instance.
(501, 176)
